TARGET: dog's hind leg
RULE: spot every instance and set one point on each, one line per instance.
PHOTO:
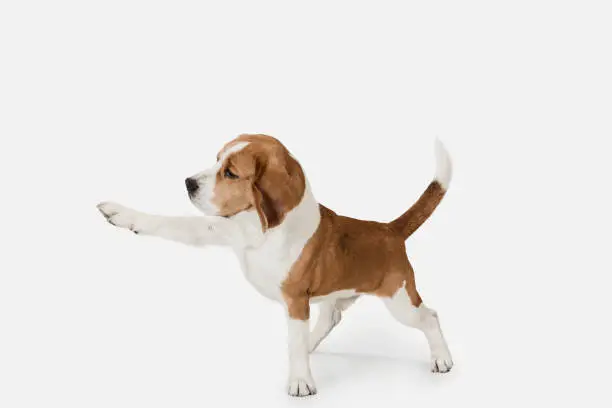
(426, 320)
(330, 314)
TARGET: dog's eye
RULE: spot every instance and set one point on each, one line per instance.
(229, 174)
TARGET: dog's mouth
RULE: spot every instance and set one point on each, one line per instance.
(203, 205)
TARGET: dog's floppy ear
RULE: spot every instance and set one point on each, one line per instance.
(278, 188)
(269, 215)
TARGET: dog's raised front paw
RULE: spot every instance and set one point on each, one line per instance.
(299, 387)
(121, 216)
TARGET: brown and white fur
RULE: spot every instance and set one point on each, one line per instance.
(257, 200)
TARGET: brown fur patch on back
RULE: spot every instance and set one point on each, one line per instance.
(346, 253)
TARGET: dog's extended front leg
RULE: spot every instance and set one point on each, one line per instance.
(301, 383)
(197, 231)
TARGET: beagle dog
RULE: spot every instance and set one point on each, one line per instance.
(257, 200)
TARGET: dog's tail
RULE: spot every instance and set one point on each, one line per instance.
(411, 220)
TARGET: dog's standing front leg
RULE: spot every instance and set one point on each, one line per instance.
(197, 231)
(301, 383)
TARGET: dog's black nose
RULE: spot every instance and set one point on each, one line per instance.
(191, 184)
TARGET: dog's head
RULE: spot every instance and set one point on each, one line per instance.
(252, 173)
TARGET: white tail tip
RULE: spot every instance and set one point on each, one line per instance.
(444, 168)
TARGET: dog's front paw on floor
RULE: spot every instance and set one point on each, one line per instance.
(299, 387)
(441, 364)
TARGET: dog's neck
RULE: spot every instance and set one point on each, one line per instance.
(298, 226)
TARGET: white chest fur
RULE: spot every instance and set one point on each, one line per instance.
(267, 267)
(267, 259)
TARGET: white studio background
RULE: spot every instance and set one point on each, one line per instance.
(121, 100)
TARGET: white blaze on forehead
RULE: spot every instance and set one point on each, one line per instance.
(214, 169)
(235, 148)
